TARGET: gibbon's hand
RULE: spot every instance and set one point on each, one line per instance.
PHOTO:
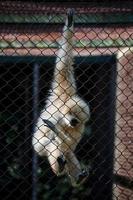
(70, 14)
(50, 125)
(82, 177)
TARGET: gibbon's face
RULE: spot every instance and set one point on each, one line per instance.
(75, 112)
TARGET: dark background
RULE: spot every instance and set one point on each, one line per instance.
(95, 78)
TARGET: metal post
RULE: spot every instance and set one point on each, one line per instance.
(35, 116)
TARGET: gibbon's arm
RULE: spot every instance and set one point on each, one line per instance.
(65, 54)
(64, 81)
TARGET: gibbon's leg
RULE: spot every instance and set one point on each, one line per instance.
(55, 157)
(73, 168)
(61, 159)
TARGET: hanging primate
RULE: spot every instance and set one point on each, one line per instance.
(62, 121)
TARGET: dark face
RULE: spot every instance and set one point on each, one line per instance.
(74, 122)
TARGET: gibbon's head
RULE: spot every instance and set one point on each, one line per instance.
(75, 112)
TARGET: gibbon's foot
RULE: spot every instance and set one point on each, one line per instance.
(70, 14)
(61, 162)
(82, 177)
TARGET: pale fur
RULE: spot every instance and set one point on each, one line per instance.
(62, 105)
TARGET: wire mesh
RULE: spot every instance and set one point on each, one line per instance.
(103, 71)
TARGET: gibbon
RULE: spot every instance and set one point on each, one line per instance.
(62, 122)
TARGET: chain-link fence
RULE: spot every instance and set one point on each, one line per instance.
(30, 33)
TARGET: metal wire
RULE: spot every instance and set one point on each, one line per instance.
(35, 117)
(103, 68)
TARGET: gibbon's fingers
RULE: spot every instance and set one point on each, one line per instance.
(70, 14)
(53, 153)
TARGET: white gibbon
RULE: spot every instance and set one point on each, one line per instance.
(62, 122)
